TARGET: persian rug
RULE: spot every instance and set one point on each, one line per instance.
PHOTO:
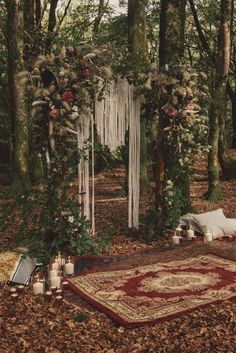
(159, 291)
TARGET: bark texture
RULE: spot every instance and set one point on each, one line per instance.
(172, 28)
(138, 49)
(17, 85)
(217, 112)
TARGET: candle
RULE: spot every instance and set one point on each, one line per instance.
(69, 268)
(38, 288)
(55, 266)
(55, 281)
(190, 234)
(52, 273)
(175, 240)
(59, 259)
(208, 237)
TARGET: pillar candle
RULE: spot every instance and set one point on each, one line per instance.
(38, 288)
(69, 269)
(55, 266)
(52, 273)
(190, 234)
(175, 240)
(55, 281)
(208, 237)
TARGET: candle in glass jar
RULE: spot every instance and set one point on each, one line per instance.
(38, 288)
(69, 268)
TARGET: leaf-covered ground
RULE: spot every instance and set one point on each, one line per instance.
(32, 325)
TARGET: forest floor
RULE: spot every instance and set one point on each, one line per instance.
(31, 325)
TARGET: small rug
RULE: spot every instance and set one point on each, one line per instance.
(156, 292)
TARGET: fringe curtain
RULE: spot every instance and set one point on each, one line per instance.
(83, 134)
(114, 114)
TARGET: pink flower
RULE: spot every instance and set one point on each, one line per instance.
(190, 106)
(171, 111)
(68, 96)
(54, 113)
(85, 73)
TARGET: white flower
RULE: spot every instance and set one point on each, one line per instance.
(71, 219)
(166, 67)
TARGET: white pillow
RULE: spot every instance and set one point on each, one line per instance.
(213, 222)
(229, 226)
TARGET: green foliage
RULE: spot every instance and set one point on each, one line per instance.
(80, 317)
(105, 239)
(149, 223)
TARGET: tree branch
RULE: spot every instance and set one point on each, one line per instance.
(63, 16)
(98, 19)
(201, 35)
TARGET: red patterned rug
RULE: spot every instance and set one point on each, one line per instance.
(160, 291)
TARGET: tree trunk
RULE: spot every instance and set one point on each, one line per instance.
(138, 49)
(172, 28)
(17, 85)
(98, 18)
(217, 112)
(29, 30)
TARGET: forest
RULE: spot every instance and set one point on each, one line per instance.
(117, 176)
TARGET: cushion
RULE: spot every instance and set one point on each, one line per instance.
(189, 221)
(229, 226)
(213, 222)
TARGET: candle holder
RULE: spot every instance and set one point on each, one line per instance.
(48, 296)
(53, 290)
(65, 285)
(13, 290)
(59, 292)
(20, 288)
(58, 300)
(14, 296)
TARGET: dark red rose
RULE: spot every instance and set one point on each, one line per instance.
(68, 96)
(85, 73)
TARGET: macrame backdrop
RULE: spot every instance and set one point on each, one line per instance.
(83, 134)
(115, 113)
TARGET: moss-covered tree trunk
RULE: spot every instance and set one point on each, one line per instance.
(17, 85)
(138, 49)
(217, 112)
(172, 29)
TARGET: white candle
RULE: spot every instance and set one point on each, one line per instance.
(208, 237)
(190, 234)
(175, 240)
(55, 281)
(59, 259)
(55, 266)
(53, 273)
(69, 268)
(38, 288)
